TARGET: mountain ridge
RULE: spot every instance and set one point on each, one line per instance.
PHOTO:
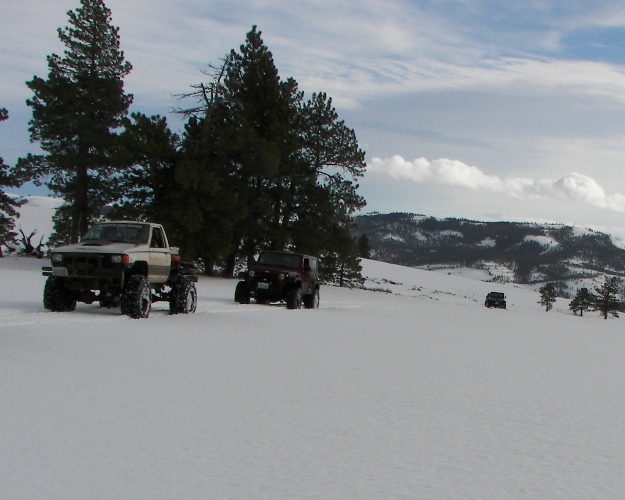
(517, 252)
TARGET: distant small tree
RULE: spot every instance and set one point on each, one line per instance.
(547, 296)
(607, 302)
(364, 249)
(584, 300)
(342, 266)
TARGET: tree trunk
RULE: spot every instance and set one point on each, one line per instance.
(80, 216)
(230, 262)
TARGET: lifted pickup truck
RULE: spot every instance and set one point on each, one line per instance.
(281, 276)
(121, 263)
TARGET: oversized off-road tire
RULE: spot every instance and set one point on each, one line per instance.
(312, 301)
(242, 293)
(294, 299)
(56, 297)
(183, 298)
(136, 300)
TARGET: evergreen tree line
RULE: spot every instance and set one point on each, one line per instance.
(257, 166)
(605, 299)
(8, 205)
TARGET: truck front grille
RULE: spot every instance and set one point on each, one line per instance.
(267, 275)
(80, 265)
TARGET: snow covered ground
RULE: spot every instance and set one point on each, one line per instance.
(418, 393)
(414, 391)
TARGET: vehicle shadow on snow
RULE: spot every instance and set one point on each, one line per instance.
(95, 309)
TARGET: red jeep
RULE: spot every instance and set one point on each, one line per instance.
(281, 276)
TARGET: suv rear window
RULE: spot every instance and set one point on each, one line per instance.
(279, 259)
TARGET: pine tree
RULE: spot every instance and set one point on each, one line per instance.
(8, 205)
(204, 193)
(607, 297)
(203, 198)
(331, 154)
(364, 249)
(148, 156)
(547, 296)
(341, 266)
(262, 140)
(583, 301)
(331, 150)
(281, 172)
(76, 112)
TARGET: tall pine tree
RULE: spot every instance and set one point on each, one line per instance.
(206, 195)
(261, 142)
(8, 205)
(148, 155)
(330, 152)
(76, 112)
(284, 171)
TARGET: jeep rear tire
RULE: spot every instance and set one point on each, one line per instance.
(183, 298)
(56, 297)
(294, 299)
(312, 301)
(242, 293)
(137, 298)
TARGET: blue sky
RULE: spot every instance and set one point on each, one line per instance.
(487, 110)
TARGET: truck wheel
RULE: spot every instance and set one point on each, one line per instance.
(312, 301)
(56, 297)
(294, 299)
(183, 298)
(137, 299)
(242, 293)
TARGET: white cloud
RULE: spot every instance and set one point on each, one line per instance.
(443, 171)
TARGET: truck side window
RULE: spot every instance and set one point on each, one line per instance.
(157, 238)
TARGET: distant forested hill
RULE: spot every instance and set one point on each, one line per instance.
(502, 251)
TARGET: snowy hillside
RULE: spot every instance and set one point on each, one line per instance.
(418, 393)
(36, 214)
(528, 253)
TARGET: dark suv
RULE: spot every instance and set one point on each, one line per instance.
(495, 299)
(281, 276)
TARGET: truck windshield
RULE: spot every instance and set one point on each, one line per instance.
(127, 233)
